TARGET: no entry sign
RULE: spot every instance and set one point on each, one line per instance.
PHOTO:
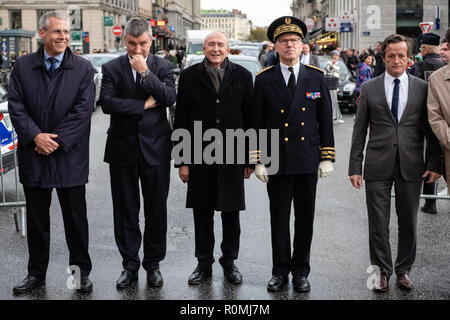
(117, 30)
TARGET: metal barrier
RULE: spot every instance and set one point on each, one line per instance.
(8, 162)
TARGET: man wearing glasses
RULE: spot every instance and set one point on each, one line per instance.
(294, 99)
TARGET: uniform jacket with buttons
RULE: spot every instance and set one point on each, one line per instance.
(214, 186)
(304, 122)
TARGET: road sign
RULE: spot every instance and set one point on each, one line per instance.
(346, 27)
(117, 30)
(108, 21)
(309, 24)
(332, 24)
(346, 15)
(425, 26)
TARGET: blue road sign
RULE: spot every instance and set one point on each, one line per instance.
(346, 27)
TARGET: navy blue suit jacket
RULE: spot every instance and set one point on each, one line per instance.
(133, 129)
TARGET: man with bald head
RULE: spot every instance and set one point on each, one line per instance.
(215, 94)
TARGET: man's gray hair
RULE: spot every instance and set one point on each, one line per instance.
(44, 21)
(137, 27)
(214, 32)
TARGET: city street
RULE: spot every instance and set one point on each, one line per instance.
(339, 257)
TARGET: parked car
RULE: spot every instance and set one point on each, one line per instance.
(347, 83)
(97, 60)
(249, 63)
(248, 50)
(6, 136)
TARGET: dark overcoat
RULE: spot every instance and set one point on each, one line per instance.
(214, 186)
(62, 105)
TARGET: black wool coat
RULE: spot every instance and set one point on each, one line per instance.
(214, 186)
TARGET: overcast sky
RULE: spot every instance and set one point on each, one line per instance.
(261, 12)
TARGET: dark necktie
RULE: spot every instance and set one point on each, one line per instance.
(291, 83)
(52, 68)
(138, 81)
(395, 98)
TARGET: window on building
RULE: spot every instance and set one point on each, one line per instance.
(15, 18)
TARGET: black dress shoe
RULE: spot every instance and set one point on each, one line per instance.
(429, 207)
(127, 279)
(85, 285)
(277, 283)
(28, 284)
(199, 275)
(301, 284)
(232, 274)
(154, 278)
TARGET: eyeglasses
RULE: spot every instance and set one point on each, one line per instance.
(285, 42)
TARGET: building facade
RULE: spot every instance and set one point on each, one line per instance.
(233, 23)
(91, 20)
(182, 15)
(372, 21)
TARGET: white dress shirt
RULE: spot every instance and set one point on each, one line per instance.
(286, 73)
(403, 94)
(305, 58)
(134, 71)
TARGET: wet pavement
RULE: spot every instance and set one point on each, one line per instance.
(339, 257)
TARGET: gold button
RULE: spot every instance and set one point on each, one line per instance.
(282, 110)
(303, 138)
(303, 109)
(286, 124)
(303, 124)
(286, 139)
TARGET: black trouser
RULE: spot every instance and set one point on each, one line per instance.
(282, 189)
(73, 207)
(126, 206)
(204, 237)
(378, 198)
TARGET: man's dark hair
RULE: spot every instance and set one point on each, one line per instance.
(137, 27)
(394, 38)
(447, 35)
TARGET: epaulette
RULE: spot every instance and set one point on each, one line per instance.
(314, 67)
(265, 69)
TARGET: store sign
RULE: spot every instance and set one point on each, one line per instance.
(160, 23)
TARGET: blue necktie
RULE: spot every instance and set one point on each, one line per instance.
(138, 81)
(395, 97)
(52, 68)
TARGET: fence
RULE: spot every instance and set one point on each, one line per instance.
(8, 163)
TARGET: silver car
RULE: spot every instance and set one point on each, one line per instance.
(97, 60)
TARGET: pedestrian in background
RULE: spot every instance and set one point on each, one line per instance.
(137, 87)
(364, 72)
(429, 49)
(332, 76)
(308, 57)
(50, 100)
(394, 107)
(444, 52)
(207, 93)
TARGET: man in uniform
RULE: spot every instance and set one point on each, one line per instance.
(429, 48)
(294, 99)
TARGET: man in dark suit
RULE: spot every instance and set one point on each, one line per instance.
(394, 106)
(136, 90)
(217, 93)
(294, 99)
(50, 100)
(308, 58)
